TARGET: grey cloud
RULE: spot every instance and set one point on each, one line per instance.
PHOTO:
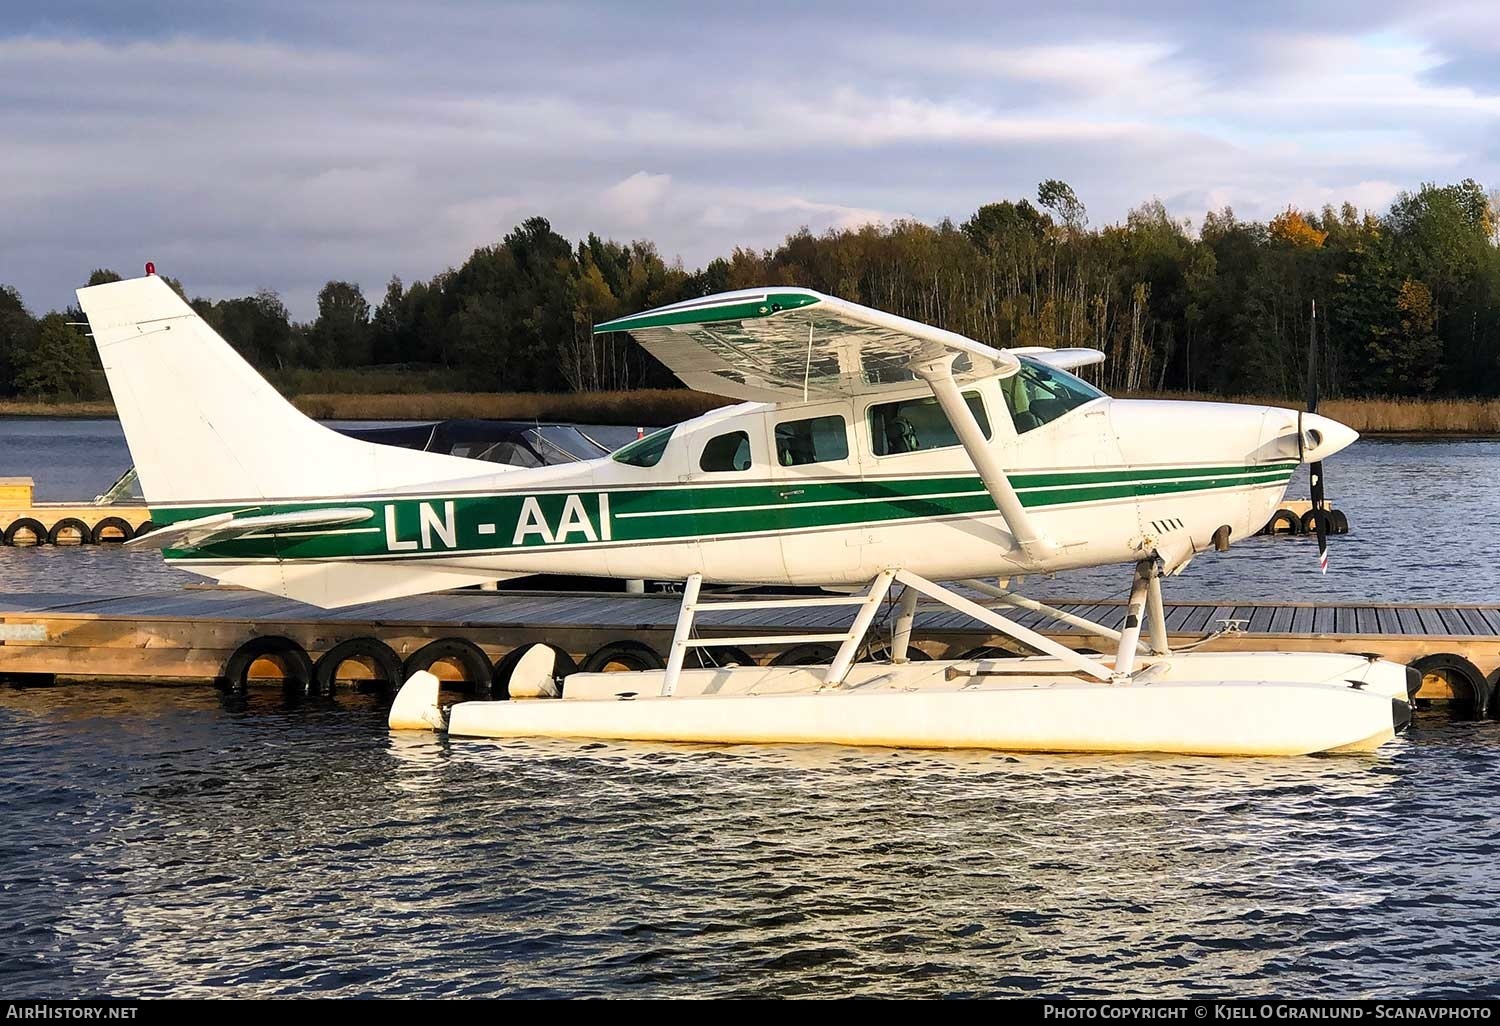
(283, 144)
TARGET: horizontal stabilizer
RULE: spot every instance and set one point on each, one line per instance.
(332, 585)
(1062, 359)
(221, 527)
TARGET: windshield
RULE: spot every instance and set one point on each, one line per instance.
(1038, 394)
(645, 452)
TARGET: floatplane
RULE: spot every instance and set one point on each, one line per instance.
(880, 459)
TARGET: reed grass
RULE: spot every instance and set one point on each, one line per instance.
(63, 408)
(645, 407)
(1377, 416)
(389, 379)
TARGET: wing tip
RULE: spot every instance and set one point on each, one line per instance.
(741, 304)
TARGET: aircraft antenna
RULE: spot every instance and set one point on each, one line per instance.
(807, 370)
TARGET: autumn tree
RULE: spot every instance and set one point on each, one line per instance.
(1409, 299)
(1292, 228)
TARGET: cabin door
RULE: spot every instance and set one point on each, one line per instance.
(817, 495)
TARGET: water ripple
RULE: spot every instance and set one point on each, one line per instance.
(158, 842)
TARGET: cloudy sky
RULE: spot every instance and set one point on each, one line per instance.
(280, 144)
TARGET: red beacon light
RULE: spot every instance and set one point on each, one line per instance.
(150, 267)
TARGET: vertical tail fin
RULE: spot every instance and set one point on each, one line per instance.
(204, 427)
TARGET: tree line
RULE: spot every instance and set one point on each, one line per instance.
(1408, 301)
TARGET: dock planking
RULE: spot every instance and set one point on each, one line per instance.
(188, 635)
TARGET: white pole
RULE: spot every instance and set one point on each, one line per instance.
(1130, 637)
(1156, 614)
(683, 633)
(906, 614)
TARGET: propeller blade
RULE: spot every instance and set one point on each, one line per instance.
(1320, 517)
(1315, 470)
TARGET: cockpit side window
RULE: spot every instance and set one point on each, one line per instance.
(1038, 394)
(728, 452)
(917, 425)
(815, 440)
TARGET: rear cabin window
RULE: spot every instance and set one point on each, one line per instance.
(917, 425)
(645, 452)
(1038, 394)
(816, 440)
(726, 453)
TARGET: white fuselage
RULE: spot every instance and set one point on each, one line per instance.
(1109, 482)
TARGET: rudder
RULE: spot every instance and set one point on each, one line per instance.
(204, 426)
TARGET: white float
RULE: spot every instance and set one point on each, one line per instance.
(1239, 703)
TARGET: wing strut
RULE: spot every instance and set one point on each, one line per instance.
(938, 373)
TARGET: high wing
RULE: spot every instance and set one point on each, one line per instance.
(221, 527)
(782, 344)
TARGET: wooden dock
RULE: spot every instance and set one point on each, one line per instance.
(24, 521)
(204, 634)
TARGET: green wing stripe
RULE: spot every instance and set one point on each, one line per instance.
(748, 309)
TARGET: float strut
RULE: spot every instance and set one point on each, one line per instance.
(839, 668)
(683, 633)
(1135, 611)
(906, 612)
(1075, 661)
(1156, 615)
(1060, 615)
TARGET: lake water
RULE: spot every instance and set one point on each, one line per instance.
(171, 841)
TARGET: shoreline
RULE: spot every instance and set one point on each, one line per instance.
(1386, 418)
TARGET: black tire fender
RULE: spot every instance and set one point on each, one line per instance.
(1338, 522)
(718, 657)
(382, 657)
(1460, 672)
(1310, 522)
(562, 665)
(988, 652)
(98, 537)
(630, 654)
(1283, 518)
(812, 654)
(25, 524)
(85, 536)
(479, 675)
(292, 657)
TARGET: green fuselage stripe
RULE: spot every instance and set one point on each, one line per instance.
(437, 525)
